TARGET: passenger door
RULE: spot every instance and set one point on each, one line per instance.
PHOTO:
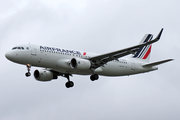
(33, 50)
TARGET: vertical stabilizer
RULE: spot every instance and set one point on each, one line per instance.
(144, 52)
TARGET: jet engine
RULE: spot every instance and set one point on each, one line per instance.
(44, 75)
(80, 64)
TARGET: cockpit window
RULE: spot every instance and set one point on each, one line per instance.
(20, 48)
(14, 48)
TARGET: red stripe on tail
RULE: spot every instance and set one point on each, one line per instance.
(147, 53)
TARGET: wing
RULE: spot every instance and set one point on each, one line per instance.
(102, 59)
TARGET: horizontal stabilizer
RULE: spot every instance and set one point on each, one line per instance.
(157, 63)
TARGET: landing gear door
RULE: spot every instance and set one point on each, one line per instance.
(33, 50)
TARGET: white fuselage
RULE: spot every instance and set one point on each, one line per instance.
(58, 60)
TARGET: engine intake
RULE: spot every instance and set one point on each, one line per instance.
(80, 64)
(73, 63)
(43, 75)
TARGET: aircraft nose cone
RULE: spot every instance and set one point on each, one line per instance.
(8, 55)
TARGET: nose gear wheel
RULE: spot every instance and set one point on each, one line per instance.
(28, 68)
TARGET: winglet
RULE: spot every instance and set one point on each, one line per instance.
(159, 35)
(156, 39)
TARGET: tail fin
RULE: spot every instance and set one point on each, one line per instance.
(144, 52)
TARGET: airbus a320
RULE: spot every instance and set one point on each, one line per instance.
(65, 62)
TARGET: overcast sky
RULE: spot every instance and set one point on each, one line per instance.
(98, 26)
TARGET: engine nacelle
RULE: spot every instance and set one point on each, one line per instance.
(80, 64)
(43, 75)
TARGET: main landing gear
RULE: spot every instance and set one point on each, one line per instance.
(28, 68)
(94, 77)
(69, 83)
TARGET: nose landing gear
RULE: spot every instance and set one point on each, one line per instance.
(28, 68)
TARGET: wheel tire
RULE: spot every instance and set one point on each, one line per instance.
(92, 78)
(28, 74)
(71, 83)
(96, 77)
(67, 85)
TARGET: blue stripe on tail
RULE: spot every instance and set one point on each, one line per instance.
(145, 48)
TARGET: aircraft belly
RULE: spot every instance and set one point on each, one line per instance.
(114, 69)
(72, 71)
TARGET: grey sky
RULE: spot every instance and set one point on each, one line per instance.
(97, 26)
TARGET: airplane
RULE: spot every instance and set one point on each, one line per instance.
(65, 62)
